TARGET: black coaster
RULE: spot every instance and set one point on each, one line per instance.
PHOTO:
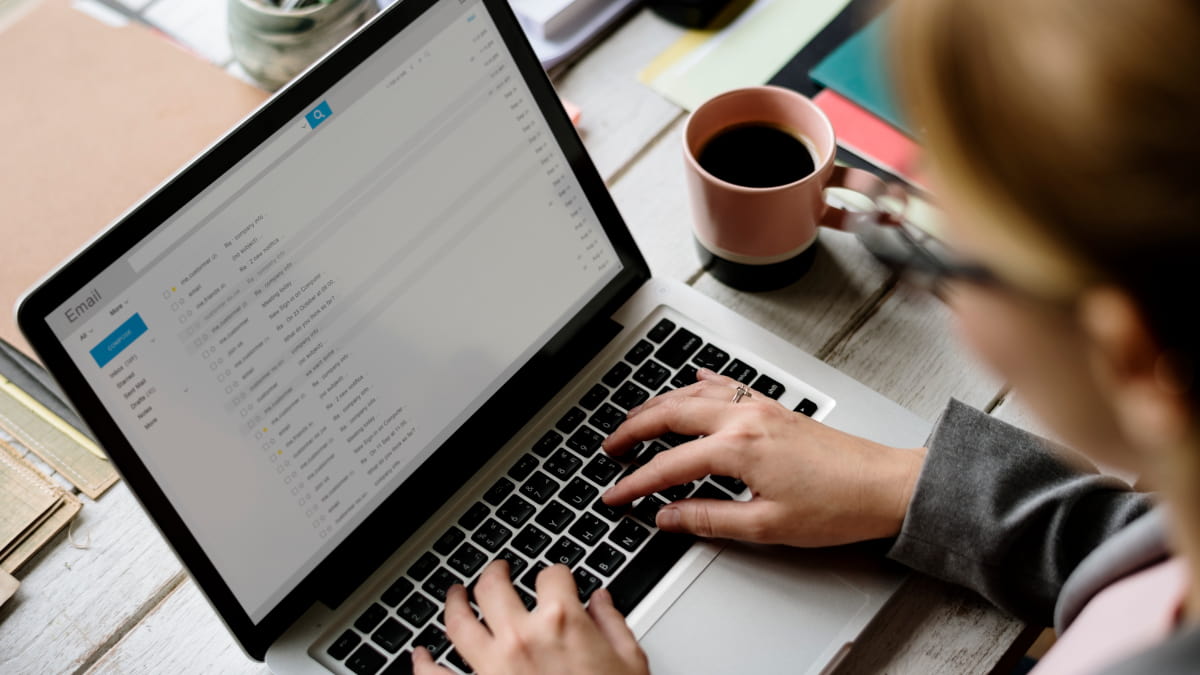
(756, 278)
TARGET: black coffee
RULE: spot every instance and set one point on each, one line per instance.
(757, 156)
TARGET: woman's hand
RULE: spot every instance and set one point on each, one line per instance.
(559, 636)
(812, 485)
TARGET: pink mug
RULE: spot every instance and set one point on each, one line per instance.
(761, 238)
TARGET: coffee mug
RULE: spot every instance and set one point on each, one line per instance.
(756, 199)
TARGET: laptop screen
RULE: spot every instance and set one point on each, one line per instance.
(294, 342)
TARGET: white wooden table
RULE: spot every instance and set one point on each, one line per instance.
(125, 605)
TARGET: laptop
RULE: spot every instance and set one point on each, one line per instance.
(371, 340)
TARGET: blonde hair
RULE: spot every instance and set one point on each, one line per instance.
(1077, 121)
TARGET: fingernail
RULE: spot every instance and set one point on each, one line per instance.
(633, 411)
(703, 371)
(668, 519)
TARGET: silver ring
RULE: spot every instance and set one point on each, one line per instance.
(741, 393)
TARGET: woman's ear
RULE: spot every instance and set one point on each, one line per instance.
(1152, 407)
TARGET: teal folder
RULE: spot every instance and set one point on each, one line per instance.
(857, 69)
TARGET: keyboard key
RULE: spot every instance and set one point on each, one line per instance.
(711, 357)
(562, 464)
(594, 397)
(564, 551)
(586, 583)
(491, 535)
(526, 599)
(769, 387)
(433, 639)
(470, 520)
(664, 390)
(685, 376)
(649, 452)
(466, 560)
(454, 659)
(370, 618)
(573, 418)
(515, 562)
(607, 418)
(539, 487)
(605, 560)
(709, 491)
(515, 511)
(451, 538)
(647, 509)
(617, 374)
(531, 541)
(651, 375)
(523, 467)
(677, 492)
(417, 610)
(647, 568)
(578, 493)
(589, 529)
(673, 439)
(345, 643)
(661, 330)
(806, 407)
(676, 351)
(630, 396)
(602, 469)
(498, 491)
(740, 371)
(547, 443)
(391, 636)
(730, 483)
(585, 441)
(440, 582)
(610, 512)
(401, 665)
(530, 577)
(397, 592)
(629, 535)
(639, 352)
(555, 517)
(366, 661)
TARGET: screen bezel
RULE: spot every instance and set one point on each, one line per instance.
(460, 456)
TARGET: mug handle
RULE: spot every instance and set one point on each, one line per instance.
(875, 189)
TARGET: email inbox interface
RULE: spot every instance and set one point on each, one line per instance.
(285, 366)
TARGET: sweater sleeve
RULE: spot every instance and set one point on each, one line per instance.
(1007, 513)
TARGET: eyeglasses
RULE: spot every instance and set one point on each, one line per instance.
(911, 252)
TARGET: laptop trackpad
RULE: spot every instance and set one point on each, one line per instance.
(756, 611)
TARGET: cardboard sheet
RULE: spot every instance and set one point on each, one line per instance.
(99, 116)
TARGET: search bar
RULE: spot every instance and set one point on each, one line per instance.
(226, 188)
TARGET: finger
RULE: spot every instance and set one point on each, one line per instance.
(717, 390)
(689, 416)
(496, 597)
(469, 636)
(714, 518)
(423, 663)
(611, 624)
(690, 461)
(556, 582)
(706, 375)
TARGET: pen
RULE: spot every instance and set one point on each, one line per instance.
(49, 417)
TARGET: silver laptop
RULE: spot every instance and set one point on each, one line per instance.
(371, 340)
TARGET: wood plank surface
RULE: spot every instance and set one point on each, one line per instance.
(181, 634)
(620, 114)
(75, 602)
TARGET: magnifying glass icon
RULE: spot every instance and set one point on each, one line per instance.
(318, 114)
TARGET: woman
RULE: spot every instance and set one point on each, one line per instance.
(1064, 140)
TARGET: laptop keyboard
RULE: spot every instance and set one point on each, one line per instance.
(546, 509)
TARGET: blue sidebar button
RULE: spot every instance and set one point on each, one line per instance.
(318, 115)
(118, 340)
